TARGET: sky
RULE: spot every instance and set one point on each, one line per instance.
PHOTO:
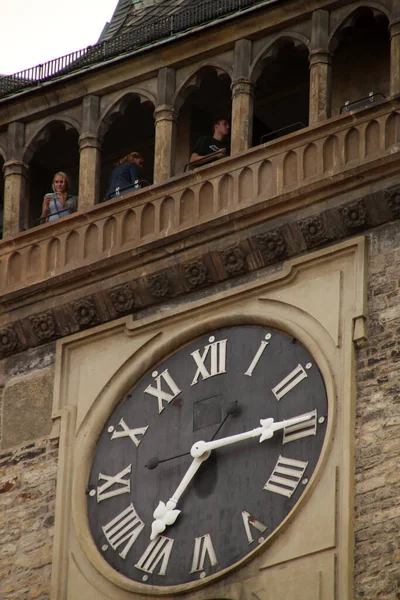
(35, 31)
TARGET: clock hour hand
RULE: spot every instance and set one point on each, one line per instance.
(265, 432)
(166, 514)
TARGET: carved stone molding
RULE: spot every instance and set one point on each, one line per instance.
(234, 260)
(159, 285)
(272, 246)
(85, 312)
(9, 342)
(392, 198)
(355, 215)
(122, 298)
(314, 231)
(196, 274)
(44, 326)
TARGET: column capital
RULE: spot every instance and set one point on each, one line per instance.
(320, 57)
(394, 28)
(242, 85)
(89, 140)
(15, 167)
(165, 112)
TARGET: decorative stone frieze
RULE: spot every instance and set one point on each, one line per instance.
(44, 326)
(314, 231)
(272, 246)
(8, 341)
(85, 312)
(196, 274)
(160, 285)
(355, 215)
(392, 197)
(234, 260)
(122, 298)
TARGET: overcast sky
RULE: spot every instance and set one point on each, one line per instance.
(35, 31)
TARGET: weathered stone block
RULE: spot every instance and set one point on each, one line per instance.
(27, 409)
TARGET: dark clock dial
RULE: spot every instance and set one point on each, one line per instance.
(237, 491)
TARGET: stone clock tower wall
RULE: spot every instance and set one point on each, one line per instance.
(306, 220)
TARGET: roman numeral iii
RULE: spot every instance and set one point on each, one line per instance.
(286, 476)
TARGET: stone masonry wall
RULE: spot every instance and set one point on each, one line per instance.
(28, 469)
(377, 454)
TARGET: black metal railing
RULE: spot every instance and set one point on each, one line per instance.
(157, 30)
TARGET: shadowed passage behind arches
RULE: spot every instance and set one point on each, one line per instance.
(282, 90)
(128, 127)
(361, 58)
(206, 97)
(55, 148)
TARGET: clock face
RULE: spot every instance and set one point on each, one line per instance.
(233, 493)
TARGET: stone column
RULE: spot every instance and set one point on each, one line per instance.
(165, 118)
(395, 58)
(242, 99)
(320, 69)
(16, 200)
(164, 151)
(90, 154)
(16, 204)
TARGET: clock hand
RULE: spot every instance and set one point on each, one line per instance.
(166, 514)
(266, 431)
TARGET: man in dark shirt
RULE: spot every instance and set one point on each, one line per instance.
(125, 175)
(209, 148)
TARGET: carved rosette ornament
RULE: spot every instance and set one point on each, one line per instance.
(85, 312)
(44, 326)
(159, 285)
(196, 273)
(392, 198)
(272, 246)
(355, 215)
(234, 260)
(314, 232)
(8, 341)
(122, 298)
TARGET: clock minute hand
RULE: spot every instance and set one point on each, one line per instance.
(265, 432)
(166, 514)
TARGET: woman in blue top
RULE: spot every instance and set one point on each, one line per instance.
(125, 176)
(58, 203)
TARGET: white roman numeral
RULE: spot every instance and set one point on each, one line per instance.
(249, 520)
(159, 550)
(203, 547)
(161, 394)
(125, 527)
(216, 353)
(300, 430)
(258, 355)
(286, 476)
(289, 382)
(126, 432)
(118, 479)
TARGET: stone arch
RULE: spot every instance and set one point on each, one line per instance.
(271, 50)
(280, 73)
(360, 45)
(348, 17)
(127, 126)
(53, 146)
(204, 96)
(193, 80)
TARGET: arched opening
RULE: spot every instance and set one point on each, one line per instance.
(207, 98)
(361, 63)
(130, 128)
(1, 195)
(56, 148)
(281, 101)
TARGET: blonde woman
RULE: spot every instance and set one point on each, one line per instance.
(125, 175)
(59, 203)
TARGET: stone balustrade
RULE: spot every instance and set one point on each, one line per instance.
(277, 177)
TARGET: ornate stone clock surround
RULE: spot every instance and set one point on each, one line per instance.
(318, 298)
